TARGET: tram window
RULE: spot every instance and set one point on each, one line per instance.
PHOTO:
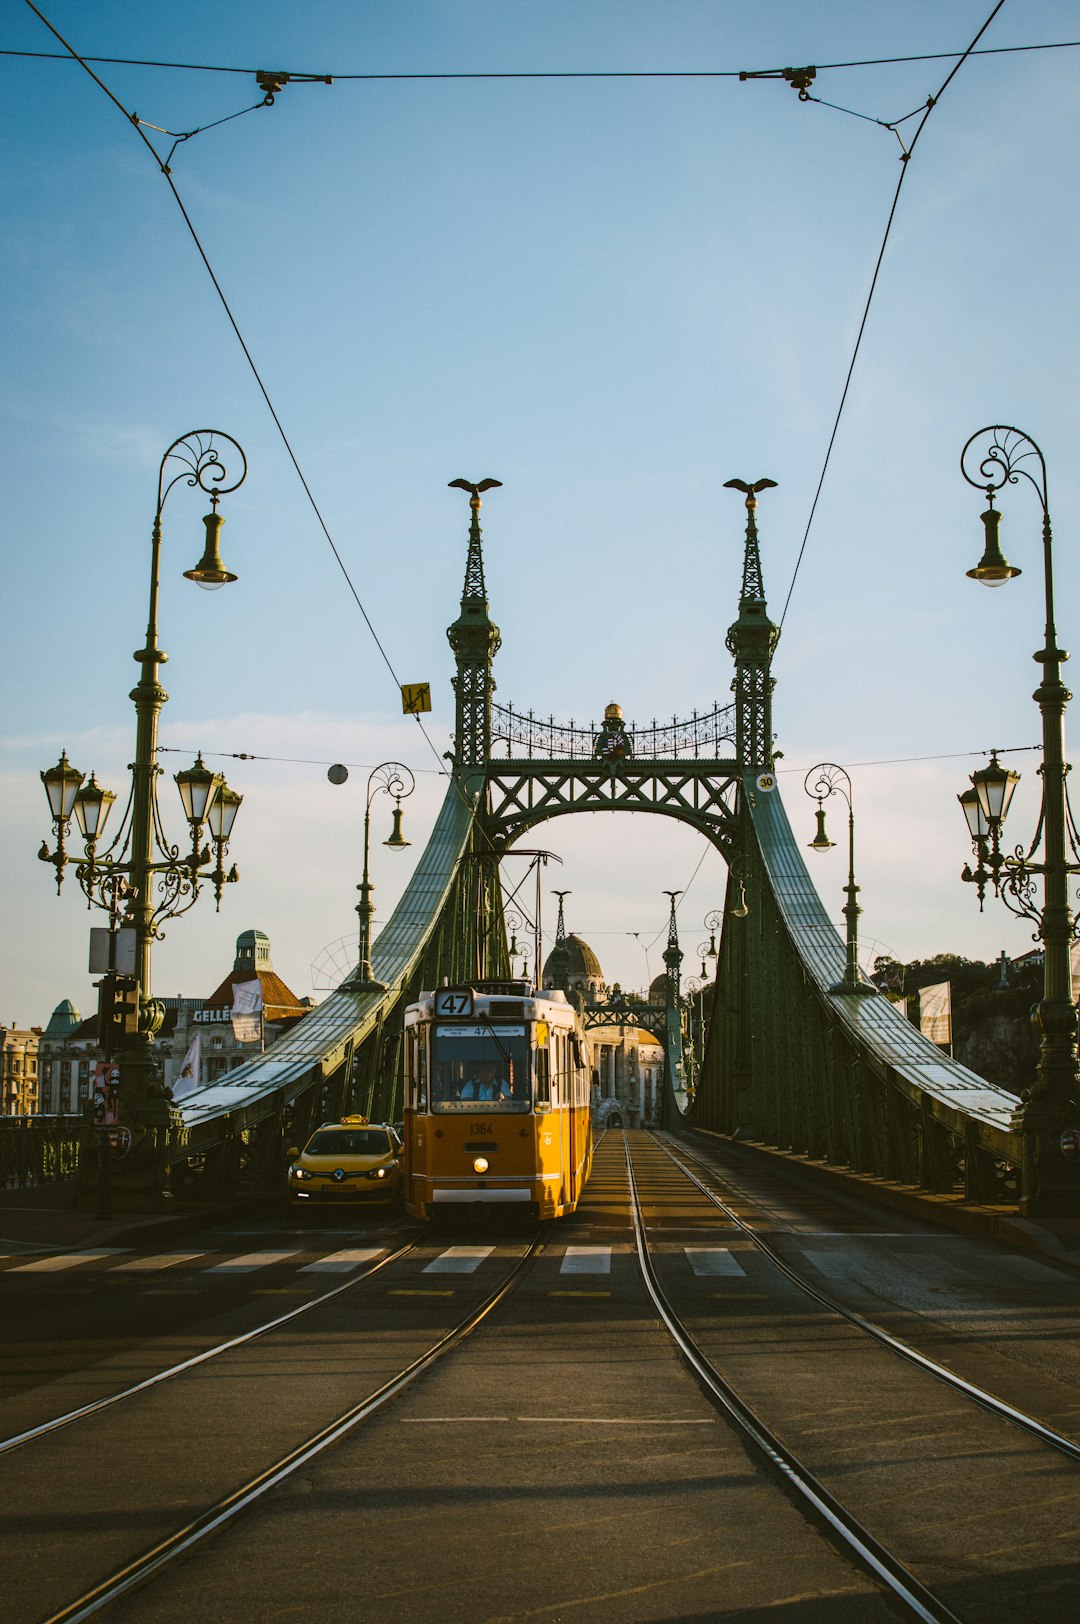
(421, 1075)
(543, 1078)
(479, 1066)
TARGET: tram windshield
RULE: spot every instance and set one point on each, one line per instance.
(478, 1064)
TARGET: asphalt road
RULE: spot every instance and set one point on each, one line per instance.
(561, 1462)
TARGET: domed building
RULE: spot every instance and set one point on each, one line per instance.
(582, 969)
(66, 1055)
(626, 1061)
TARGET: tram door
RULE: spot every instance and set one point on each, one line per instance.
(568, 1135)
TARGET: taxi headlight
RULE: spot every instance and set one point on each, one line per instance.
(377, 1173)
(480, 1164)
(301, 1173)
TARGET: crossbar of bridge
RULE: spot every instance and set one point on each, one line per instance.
(322, 1040)
(920, 1067)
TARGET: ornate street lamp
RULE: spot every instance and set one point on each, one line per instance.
(388, 778)
(141, 879)
(994, 457)
(822, 781)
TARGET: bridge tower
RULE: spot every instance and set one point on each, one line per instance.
(475, 640)
(751, 640)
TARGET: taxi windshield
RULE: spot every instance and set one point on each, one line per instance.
(348, 1142)
(476, 1064)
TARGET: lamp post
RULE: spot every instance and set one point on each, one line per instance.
(822, 781)
(142, 879)
(388, 778)
(997, 456)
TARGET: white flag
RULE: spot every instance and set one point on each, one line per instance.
(935, 1013)
(187, 1079)
(247, 1011)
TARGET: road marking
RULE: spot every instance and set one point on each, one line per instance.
(579, 1293)
(160, 1260)
(712, 1260)
(406, 1291)
(459, 1260)
(249, 1262)
(342, 1262)
(67, 1260)
(586, 1260)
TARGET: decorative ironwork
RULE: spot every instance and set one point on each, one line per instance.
(751, 641)
(524, 793)
(475, 640)
(705, 736)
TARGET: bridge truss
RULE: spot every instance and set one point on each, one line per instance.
(788, 1062)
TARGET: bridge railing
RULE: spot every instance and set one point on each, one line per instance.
(707, 735)
(38, 1150)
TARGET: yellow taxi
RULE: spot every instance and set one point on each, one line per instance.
(351, 1161)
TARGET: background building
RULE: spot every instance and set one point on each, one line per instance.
(19, 1069)
(626, 1061)
(67, 1051)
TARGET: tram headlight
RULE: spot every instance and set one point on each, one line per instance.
(480, 1164)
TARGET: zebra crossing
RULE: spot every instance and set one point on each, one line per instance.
(717, 1264)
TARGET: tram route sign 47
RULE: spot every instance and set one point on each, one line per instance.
(415, 697)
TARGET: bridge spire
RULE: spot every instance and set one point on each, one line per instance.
(559, 962)
(673, 954)
(751, 640)
(475, 640)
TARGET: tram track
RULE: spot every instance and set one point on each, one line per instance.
(44, 1429)
(905, 1350)
(856, 1539)
(145, 1566)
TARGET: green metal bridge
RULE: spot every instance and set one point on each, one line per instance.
(788, 1061)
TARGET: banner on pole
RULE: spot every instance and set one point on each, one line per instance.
(935, 1013)
(247, 1006)
(187, 1079)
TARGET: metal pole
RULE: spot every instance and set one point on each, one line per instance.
(1051, 1184)
(366, 908)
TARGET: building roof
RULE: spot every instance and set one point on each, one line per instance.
(63, 1020)
(581, 960)
(278, 1000)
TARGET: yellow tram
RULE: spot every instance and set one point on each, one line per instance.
(496, 1101)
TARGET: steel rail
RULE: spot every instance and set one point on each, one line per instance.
(19, 1439)
(147, 1566)
(920, 1602)
(978, 1395)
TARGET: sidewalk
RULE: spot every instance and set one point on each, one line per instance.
(1057, 1240)
(42, 1218)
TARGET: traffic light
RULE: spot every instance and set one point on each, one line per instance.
(118, 1012)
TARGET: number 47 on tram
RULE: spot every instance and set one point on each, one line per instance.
(496, 1101)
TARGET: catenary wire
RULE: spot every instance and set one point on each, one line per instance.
(932, 102)
(556, 73)
(432, 746)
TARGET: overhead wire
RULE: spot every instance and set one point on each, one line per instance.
(554, 73)
(958, 60)
(932, 102)
(278, 424)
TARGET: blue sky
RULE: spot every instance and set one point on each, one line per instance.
(613, 295)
